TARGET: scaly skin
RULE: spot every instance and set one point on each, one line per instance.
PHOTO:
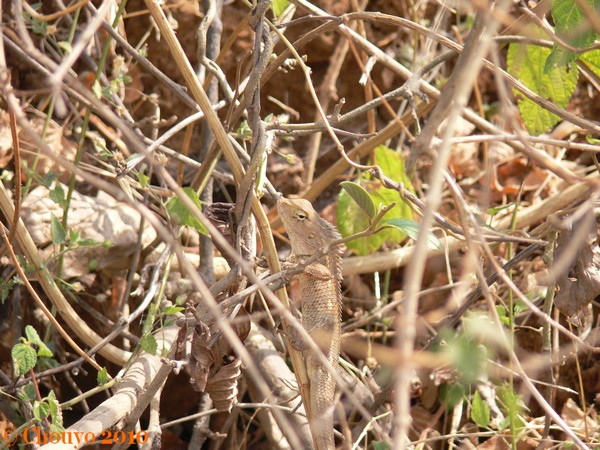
(320, 284)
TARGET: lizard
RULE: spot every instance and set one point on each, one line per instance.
(320, 286)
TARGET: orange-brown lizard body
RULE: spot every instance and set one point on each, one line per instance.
(320, 285)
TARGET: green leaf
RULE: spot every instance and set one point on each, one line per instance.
(480, 411)
(351, 218)
(452, 394)
(573, 27)
(592, 140)
(411, 229)
(65, 46)
(360, 195)
(503, 315)
(244, 132)
(57, 195)
(54, 409)
(97, 89)
(526, 62)
(172, 310)
(148, 344)
(28, 393)
(592, 61)
(24, 358)
(32, 334)
(41, 410)
(102, 377)
(381, 445)
(59, 235)
(513, 405)
(182, 214)
(279, 6)
(142, 177)
(34, 338)
(74, 237)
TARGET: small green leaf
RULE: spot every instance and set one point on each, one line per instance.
(74, 237)
(182, 214)
(411, 228)
(381, 445)
(142, 177)
(279, 6)
(24, 358)
(496, 209)
(513, 405)
(88, 242)
(41, 410)
(97, 89)
(54, 408)
(172, 310)
(503, 315)
(59, 235)
(65, 46)
(28, 393)
(34, 338)
(102, 377)
(57, 195)
(148, 344)
(244, 132)
(360, 195)
(592, 140)
(480, 411)
(32, 334)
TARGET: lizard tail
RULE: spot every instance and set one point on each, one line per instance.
(322, 408)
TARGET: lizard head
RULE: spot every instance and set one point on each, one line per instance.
(308, 232)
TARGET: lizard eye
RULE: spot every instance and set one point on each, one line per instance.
(301, 215)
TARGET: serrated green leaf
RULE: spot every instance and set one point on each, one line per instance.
(24, 358)
(360, 195)
(526, 62)
(102, 377)
(32, 334)
(182, 214)
(573, 27)
(55, 411)
(58, 232)
(480, 411)
(592, 61)
(411, 229)
(34, 338)
(148, 344)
